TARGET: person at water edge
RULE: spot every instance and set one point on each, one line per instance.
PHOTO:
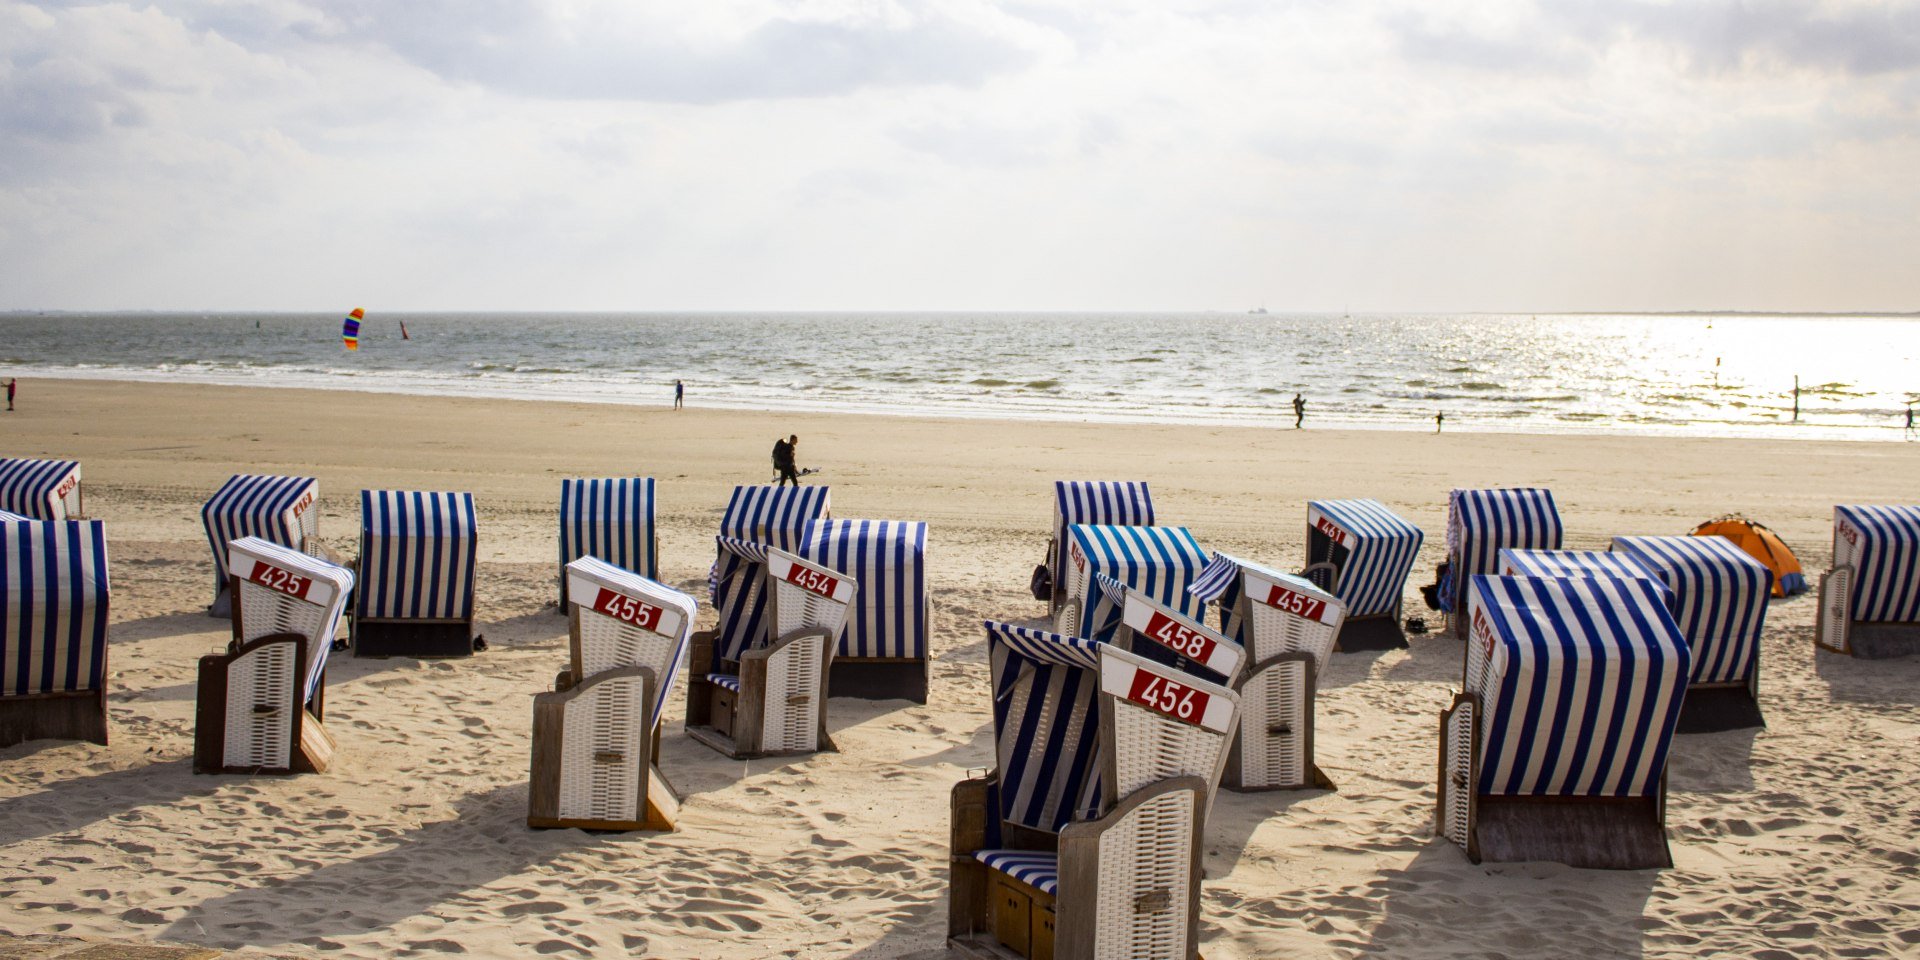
(679, 394)
(1439, 420)
(1299, 410)
(15, 381)
(1909, 411)
(784, 452)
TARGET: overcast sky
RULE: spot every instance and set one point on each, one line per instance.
(1044, 154)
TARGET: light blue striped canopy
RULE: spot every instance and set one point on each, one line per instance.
(1581, 682)
(1720, 595)
(1886, 560)
(1481, 522)
(29, 487)
(1160, 562)
(1120, 503)
(888, 559)
(609, 518)
(53, 606)
(1383, 549)
(739, 595)
(265, 507)
(1045, 725)
(417, 555)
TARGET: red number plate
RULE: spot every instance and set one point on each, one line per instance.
(621, 607)
(812, 580)
(1483, 631)
(1298, 604)
(1179, 638)
(1326, 526)
(1176, 700)
(65, 488)
(274, 578)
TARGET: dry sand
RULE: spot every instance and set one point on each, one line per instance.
(1798, 840)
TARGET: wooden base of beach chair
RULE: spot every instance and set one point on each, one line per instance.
(1371, 633)
(878, 678)
(54, 716)
(734, 722)
(1019, 922)
(1882, 641)
(1716, 707)
(412, 638)
(268, 725)
(1589, 832)
(588, 754)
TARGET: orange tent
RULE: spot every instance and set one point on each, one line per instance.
(1764, 545)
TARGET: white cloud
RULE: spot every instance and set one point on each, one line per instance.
(959, 154)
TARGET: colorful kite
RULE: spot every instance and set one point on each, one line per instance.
(350, 330)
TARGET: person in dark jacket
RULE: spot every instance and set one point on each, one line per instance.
(784, 452)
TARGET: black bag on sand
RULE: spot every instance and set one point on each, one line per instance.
(1042, 585)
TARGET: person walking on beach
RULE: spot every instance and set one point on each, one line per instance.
(15, 381)
(679, 394)
(784, 452)
(1299, 410)
(1909, 411)
(1439, 419)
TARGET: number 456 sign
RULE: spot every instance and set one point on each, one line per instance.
(1184, 699)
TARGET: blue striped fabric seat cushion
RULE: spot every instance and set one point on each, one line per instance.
(1034, 868)
(727, 680)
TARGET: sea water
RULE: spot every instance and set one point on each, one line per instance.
(1688, 374)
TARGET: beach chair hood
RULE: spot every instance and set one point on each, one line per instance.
(1719, 599)
(1160, 562)
(1882, 544)
(1581, 682)
(1383, 547)
(320, 586)
(417, 555)
(888, 559)
(38, 489)
(1121, 503)
(610, 518)
(1045, 725)
(282, 510)
(53, 606)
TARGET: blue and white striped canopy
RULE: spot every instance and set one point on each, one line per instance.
(888, 559)
(1883, 544)
(739, 595)
(337, 581)
(268, 508)
(1720, 595)
(1580, 681)
(776, 516)
(417, 555)
(1221, 585)
(1480, 522)
(1046, 724)
(1160, 562)
(1570, 563)
(594, 572)
(1119, 503)
(1383, 550)
(608, 518)
(53, 606)
(34, 488)
(5, 516)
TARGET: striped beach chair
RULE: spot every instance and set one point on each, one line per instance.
(1720, 595)
(417, 556)
(53, 630)
(1287, 626)
(611, 519)
(1085, 840)
(1362, 552)
(596, 736)
(261, 706)
(757, 683)
(1870, 599)
(883, 652)
(41, 489)
(1157, 561)
(1482, 522)
(775, 516)
(282, 510)
(1557, 747)
(1116, 503)
(1579, 564)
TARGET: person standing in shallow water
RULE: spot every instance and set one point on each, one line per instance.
(679, 394)
(1299, 410)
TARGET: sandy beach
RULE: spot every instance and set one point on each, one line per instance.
(1794, 841)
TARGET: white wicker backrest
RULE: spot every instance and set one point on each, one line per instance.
(808, 595)
(1166, 723)
(1289, 615)
(286, 591)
